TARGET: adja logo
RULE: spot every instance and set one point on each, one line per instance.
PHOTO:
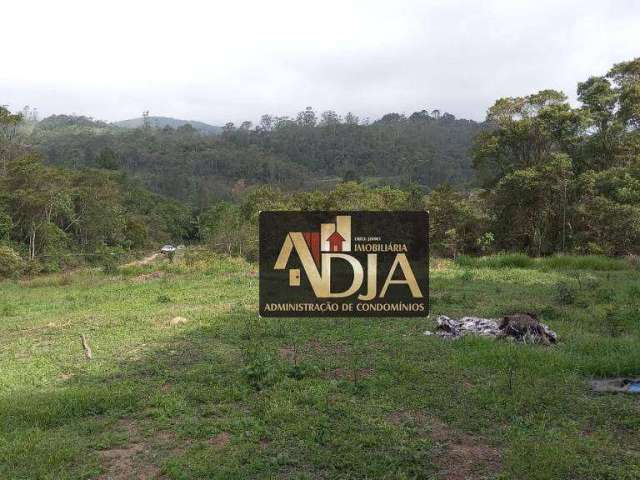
(317, 251)
(323, 263)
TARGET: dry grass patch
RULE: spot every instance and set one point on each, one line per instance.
(459, 455)
(220, 440)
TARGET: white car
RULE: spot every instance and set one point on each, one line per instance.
(168, 249)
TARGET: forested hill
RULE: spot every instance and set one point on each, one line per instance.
(161, 122)
(305, 152)
(554, 178)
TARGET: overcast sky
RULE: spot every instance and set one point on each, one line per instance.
(232, 61)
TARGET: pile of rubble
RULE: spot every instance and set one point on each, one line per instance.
(523, 327)
(616, 385)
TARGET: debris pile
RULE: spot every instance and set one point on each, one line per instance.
(449, 327)
(523, 327)
(616, 385)
(526, 328)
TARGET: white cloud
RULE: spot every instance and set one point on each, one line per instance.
(220, 61)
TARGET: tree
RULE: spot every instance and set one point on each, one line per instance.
(307, 118)
(6, 225)
(11, 264)
(626, 78)
(457, 221)
(8, 126)
(530, 207)
(36, 196)
(351, 119)
(420, 116)
(329, 118)
(526, 130)
(107, 159)
(266, 123)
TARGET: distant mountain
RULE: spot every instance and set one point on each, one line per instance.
(161, 122)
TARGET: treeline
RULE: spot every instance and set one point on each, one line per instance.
(559, 178)
(554, 179)
(51, 217)
(549, 177)
(305, 152)
(458, 222)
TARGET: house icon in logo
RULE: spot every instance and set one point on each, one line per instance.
(332, 237)
(335, 242)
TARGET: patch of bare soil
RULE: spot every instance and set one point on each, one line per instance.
(463, 456)
(126, 463)
(264, 443)
(438, 265)
(220, 440)
(287, 353)
(177, 321)
(134, 460)
(147, 277)
(144, 261)
(165, 436)
(312, 347)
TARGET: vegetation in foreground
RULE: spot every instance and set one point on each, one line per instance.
(220, 393)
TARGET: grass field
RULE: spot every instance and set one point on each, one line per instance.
(227, 395)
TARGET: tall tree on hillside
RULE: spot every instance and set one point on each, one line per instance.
(36, 196)
(307, 118)
(8, 126)
(526, 131)
(612, 103)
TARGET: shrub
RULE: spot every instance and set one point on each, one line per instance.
(614, 322)
(565, 293)
(457, 222)
(604, 295)
(260, 370)
(556, 262)
(588, 281)
(467, 261)
(511, 260)
(299, 371)
(485, 242)
(502, 260)
(633, 261)
(162, 298)
(633, 293)
(108, 265)
(226, 230)
(11, 264)
(582, 262)
(6, 225)
(466, 275)
(7, 310)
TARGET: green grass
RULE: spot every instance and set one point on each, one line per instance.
(229, 395)
(503, 260)
(587, 262)
(555, 262)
